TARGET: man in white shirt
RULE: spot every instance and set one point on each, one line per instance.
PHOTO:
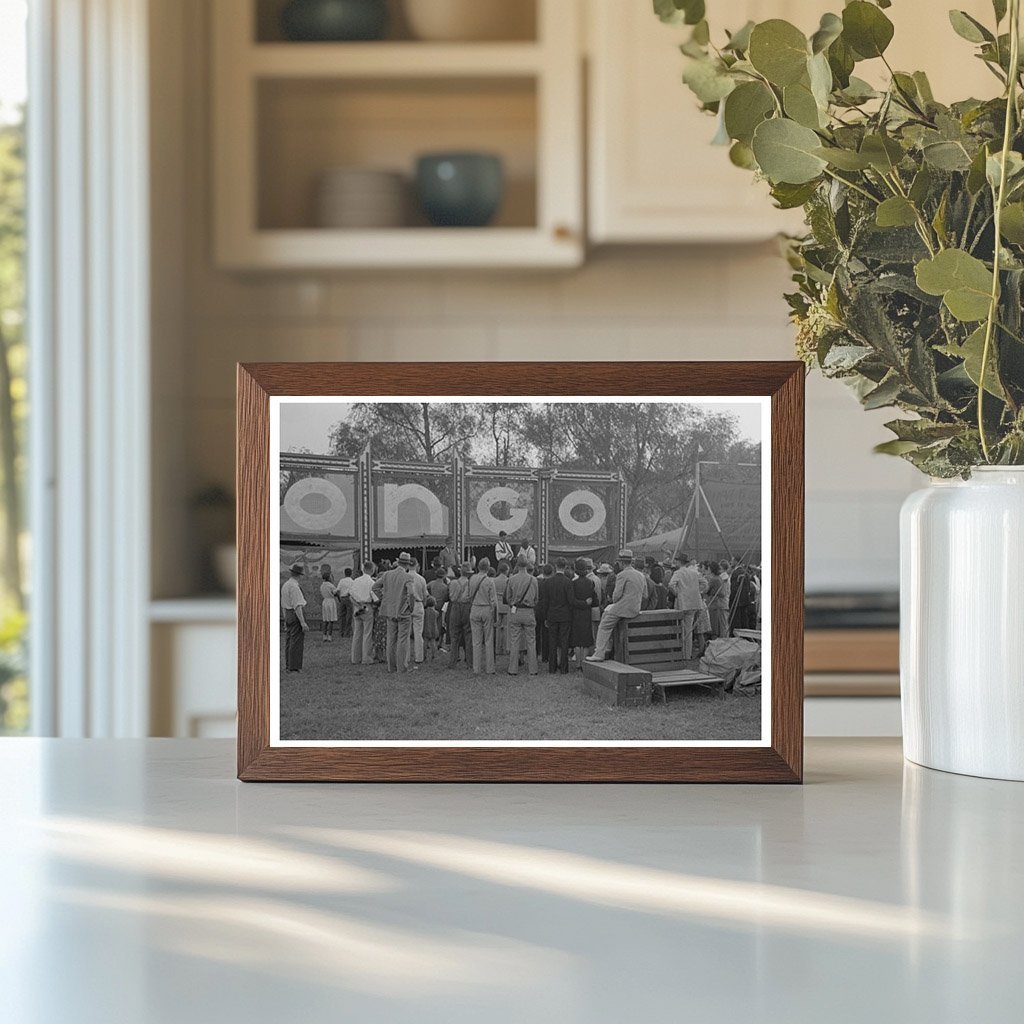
(342, 591)
(685, 588)
(503, 550)
(362, 599)
(295, 627)
(529, 552)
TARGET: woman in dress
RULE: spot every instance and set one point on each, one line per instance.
(328, 604)
(584, 598)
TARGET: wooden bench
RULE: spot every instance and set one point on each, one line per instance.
(653, 641)
(625, 686)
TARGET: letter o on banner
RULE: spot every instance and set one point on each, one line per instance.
(516, 518)
(315, 504)
(574, 526)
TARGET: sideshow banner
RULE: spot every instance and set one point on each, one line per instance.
(411, 505)
(501, 503)
(734, 494)
(318, 502)
(583, 515)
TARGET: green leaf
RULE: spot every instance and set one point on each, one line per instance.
(739, 41)
(844, 159)
(963, 281)
(947, 156)
(701, 33)
(999, 7)
(841, 60)
(742, 155)
(971, 352)
(895, 447)
(885, 394)
(896, 212)
(969, 28)
(778, 50)
(883, 153)
(800, 105)
(830, 29)
(676, 12)
(745, 108)
(923, 431)
(921, 185)
(1012, 226)
(789, 197)
(820, 76)
(708, 80)
(976, 174)
(866, 29)
(785, 152)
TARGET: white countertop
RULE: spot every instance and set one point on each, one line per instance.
(143, 885)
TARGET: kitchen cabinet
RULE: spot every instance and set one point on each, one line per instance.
(286, 113)
(653, 175)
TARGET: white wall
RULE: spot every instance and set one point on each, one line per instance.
(655, 303)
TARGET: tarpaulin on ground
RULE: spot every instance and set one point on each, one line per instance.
(736, 661)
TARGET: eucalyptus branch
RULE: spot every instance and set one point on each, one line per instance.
(1000, 199)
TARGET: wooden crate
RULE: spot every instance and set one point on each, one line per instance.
(623, 686)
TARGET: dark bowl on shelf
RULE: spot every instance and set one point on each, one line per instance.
(461, 190)
(334, 21)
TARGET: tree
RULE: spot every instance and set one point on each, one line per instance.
(407, 431)
(501, 439)
(655, 445)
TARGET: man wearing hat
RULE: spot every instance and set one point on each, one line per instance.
(685, 588)
(459, 601)
(627, 599)
(394, 589)
(295, 628)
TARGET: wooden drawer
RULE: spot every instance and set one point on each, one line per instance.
(852, 650)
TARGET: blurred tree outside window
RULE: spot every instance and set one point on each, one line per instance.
(14, 703)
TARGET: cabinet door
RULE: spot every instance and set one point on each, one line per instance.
(654, 175)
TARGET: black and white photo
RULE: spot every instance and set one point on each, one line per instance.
(520, 571)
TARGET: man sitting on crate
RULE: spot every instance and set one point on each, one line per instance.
(627, 600)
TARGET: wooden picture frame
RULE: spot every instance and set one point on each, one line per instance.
(779, 759)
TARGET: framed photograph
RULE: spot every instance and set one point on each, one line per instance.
(552, 572)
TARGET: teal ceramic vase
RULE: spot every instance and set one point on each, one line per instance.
(332, 21)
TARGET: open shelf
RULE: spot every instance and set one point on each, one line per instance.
(286, 114)
(520, 16)
(308, 127)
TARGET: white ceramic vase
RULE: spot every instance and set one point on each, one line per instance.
(962, 624)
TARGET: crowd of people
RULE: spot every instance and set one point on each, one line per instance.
(467, 612)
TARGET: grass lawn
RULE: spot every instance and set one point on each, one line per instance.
(330, 699)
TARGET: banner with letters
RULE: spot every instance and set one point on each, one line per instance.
(584, 514)
(319, 501)
(411, 504)
(501, 502)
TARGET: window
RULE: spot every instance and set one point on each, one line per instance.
(14, 704)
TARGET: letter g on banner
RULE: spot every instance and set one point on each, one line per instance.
(576, 527)
(516, 517)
